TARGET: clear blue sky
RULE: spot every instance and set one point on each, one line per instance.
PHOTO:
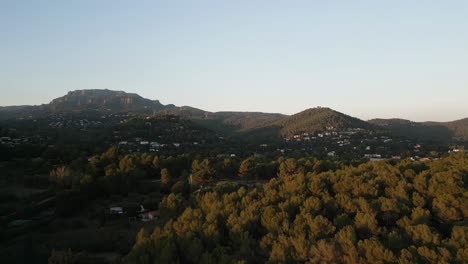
(405, 59)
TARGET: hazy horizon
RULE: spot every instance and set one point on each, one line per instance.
(363, 58)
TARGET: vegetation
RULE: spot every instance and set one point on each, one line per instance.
(110, 177)
(317, 120)
(379, 212)
(251, 124)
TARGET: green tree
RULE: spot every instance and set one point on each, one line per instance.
(247, 168)
(165, 176)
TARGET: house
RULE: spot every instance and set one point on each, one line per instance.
(144, 142)
(233, 155)
(149, 216)
(116, 210)
(263, 145)
(176, 145)
(331, 154)
(123, 143)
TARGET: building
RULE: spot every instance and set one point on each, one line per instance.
(149, 216)
(116, 210)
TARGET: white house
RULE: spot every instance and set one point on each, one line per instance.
(149, 216)
(116, 210)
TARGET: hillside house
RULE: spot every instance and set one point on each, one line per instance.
(116, 210)
(149, 216)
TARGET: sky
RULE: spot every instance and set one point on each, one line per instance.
(406, 59)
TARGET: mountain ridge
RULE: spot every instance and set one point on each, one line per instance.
(311, 120)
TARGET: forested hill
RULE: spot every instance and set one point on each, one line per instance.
(86, 101)
(459, 127)
(254, 124)
(435, 131)
(105, 100)
(319, 119)
(376, 212)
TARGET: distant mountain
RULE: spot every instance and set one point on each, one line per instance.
(432, 131)
(86, 101)
(257, 125)
(319, 119)
(459, 127)
(8, 112)
(253, 124)
(104, 100)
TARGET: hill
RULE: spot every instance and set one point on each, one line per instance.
(431, 131)
(87, 101)
(104, 100)
(94, 103)
(319, 119)
(459, 128)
